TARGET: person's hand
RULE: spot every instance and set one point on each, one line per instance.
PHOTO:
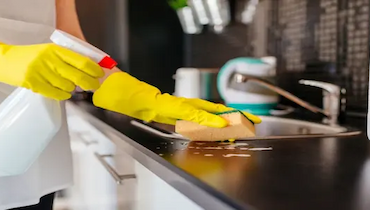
(124, 94)
(48, 69)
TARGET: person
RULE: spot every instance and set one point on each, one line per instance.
(29, 60)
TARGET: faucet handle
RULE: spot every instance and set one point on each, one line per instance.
(334, 101)
(331, 88)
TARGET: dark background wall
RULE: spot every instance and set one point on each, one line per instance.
(325, 40)
(145, 37)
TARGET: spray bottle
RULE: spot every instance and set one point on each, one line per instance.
(29, 121)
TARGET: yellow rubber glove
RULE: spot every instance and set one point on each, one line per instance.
(47, 69)
(124, 94)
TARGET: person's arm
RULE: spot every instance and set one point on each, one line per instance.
(67, 20)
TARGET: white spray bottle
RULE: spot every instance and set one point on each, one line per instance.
(29, 121)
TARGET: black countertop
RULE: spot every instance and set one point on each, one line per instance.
(320, 173)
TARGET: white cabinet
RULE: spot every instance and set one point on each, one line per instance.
(98, 165)
(155, 194)
(105, 177)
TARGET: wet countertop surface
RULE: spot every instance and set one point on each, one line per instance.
(322, 173)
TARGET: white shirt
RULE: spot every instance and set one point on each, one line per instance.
(31, 22)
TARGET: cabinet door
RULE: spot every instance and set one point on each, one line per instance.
(155, 194)
(109, 181)
(101, 189)
(96, 161)
(108, 178)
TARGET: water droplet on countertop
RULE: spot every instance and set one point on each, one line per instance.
(260, 149)
(236, 155)
(230, 147)
(241, 144)
(212, 148)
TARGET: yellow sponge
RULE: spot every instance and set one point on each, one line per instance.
(239, 127)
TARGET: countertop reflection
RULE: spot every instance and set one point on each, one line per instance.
(322, 173)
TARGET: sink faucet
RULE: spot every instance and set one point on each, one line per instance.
(331, 96)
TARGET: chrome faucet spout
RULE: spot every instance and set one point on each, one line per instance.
(334, 91)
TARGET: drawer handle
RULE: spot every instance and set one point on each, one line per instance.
(84, 141)
(88, 143)
(117, 177)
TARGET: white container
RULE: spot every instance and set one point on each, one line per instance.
(188, 21)
(187, 83)
(29, 121)
(197, 83)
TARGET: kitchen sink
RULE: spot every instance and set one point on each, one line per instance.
(282, 128)
(270, 128)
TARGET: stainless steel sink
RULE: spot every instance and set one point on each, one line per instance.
(283, 128)
(270, 128)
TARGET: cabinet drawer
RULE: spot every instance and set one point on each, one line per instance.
(155, 194)
(104, 174)
(113, 180)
